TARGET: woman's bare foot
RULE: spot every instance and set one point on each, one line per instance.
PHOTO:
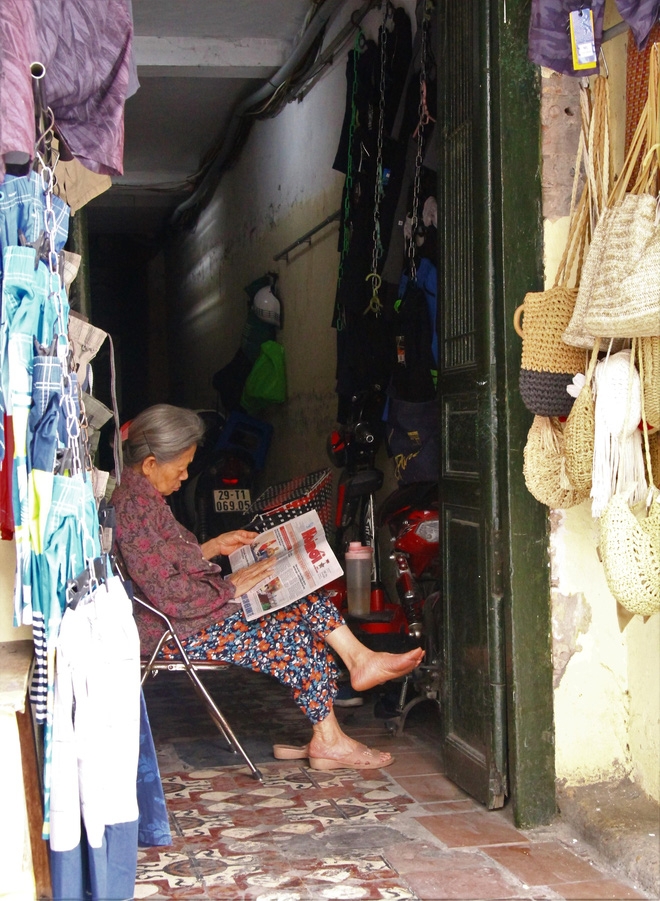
(345, 752)
(376, 667)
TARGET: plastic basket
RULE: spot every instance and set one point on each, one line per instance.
(286, 500)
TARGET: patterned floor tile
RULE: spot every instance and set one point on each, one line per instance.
(309, 835)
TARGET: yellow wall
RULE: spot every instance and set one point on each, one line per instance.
(607, 667)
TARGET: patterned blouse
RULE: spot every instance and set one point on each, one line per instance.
(165, 562)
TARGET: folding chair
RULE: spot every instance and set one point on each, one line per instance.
(152, 665)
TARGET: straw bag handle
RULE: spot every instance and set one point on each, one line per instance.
(647, 135)
(594, 147)
(576, 244)
(594, 152)
(636, 346)
(597, 146)
(592, 362)
(578, 234)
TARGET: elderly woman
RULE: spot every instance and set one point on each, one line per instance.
(296, 644)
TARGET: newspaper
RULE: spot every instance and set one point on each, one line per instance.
(304, 561)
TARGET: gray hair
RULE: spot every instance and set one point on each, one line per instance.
(162, 431)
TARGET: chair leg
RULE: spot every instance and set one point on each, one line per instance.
(221, 722)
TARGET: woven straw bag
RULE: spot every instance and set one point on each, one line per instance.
(579, 432)
(654, 448)
(630, 550)
(544, 466)
(620, 287)
(547, 363)
(624, 297)
(649, 349)
(630, 542)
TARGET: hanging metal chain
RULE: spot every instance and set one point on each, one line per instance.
(375, 305)
(423, 121)
(347, 229)
(69, 387)
(339, 318)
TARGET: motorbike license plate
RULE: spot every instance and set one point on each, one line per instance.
(230, 500)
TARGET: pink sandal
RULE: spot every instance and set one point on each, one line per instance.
(363, 758)
(290, 752)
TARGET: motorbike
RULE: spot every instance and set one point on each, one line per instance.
(223, 475)
(410, 515)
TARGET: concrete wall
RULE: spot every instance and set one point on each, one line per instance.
(282, 186)
(607, 674)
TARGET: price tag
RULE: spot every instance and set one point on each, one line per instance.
(583, 40)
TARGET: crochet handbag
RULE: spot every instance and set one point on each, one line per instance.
(630, 541)
(548, 364)
(620, 288)
(630, 550)
(544, 466)
(579, 432)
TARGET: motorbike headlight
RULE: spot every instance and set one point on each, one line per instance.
(429, 531)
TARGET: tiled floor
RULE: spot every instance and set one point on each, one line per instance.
(404, 832)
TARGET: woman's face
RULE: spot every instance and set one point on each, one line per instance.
(167, 477)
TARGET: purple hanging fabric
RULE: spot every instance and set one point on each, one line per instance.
(86, 48)
(17, 45)
(641, 16)
(549, 39)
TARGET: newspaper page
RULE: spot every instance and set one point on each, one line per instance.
(303, 558)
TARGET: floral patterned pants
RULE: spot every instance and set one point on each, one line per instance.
(288, 644)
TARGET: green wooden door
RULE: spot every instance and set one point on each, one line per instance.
(474, 701)
(495, 612)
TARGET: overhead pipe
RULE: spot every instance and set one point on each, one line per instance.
(210, 179)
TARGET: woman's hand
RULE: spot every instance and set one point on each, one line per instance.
(245, 579)
(227, 543)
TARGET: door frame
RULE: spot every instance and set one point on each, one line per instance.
(518, 268)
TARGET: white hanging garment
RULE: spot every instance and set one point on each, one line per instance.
(618, 459)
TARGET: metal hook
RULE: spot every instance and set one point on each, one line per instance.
(375, 305)
(602, 54)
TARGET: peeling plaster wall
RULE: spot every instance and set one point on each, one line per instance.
(606, 664)
(592, 704)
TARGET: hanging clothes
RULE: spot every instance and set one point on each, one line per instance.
(373, 161)
(98, 678)
(641, 16)
(96, 723)
(86, 48)
(549, 39)
(28, 312)
(86, 686)
(22, 207)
